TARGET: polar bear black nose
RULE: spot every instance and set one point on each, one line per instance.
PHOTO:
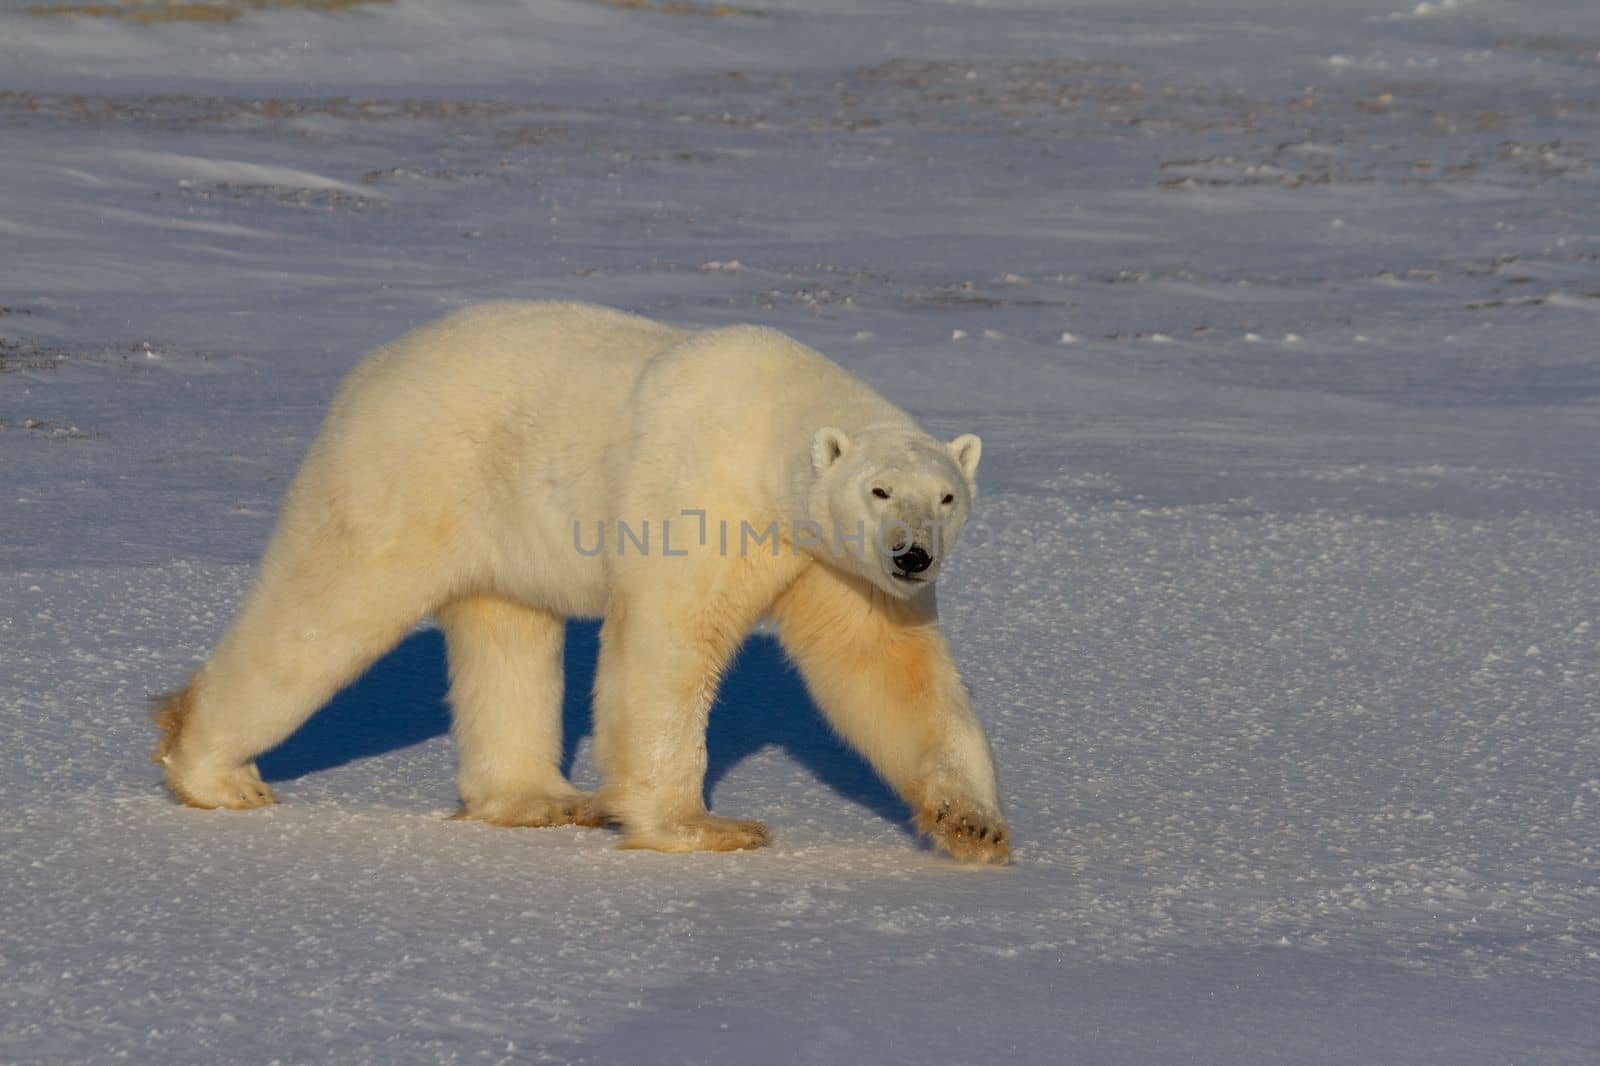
(914, 560)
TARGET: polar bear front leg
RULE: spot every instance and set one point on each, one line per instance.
(663, 648)
(882, 674)
(505, 695)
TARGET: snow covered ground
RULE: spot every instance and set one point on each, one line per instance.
(1282, 603)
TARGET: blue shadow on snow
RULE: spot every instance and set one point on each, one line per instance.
(400, 701)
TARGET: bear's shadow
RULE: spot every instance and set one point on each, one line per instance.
(400, 701)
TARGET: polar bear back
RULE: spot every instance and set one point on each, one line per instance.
(488, 390)
(497, 430)
(558, 362)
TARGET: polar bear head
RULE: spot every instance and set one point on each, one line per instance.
(891, 502)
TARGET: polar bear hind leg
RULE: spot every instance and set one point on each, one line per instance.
(505, 695)
(314, 620)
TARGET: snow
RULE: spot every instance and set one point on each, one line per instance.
(1280, 602)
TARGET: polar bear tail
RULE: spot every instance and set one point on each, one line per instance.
(170, 711)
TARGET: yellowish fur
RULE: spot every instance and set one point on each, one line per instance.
(169, 712)
(881, 672)
(240, 789)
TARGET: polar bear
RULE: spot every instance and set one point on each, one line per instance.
(516, 464)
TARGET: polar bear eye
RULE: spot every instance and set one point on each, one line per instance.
(882, 494)
(949, 498)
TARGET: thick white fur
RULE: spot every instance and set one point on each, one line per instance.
(447, 480)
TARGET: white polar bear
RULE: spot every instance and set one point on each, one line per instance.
(517, 464)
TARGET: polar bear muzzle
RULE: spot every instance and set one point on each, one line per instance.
(914, 559)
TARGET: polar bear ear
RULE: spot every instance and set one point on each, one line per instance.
(828, 447)
(966, 450)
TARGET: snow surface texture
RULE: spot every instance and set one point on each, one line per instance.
(1282, 602)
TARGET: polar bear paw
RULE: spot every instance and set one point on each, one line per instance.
(964, 831)
(706, 833)
(534, 810)
(200, 782)
(236, 788)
